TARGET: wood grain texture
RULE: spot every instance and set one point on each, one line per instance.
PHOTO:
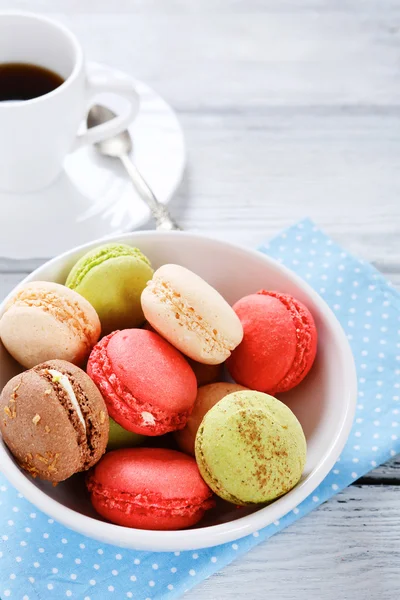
(347, 549)
(290, 109)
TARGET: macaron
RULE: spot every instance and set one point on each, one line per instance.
(112, 277)
(149, 488)
(206, 373)
(191, 315)
(207, 397)
(147, 384)
(45, 321)
(121, 438)
(279, 343)
(250, 448)
(54, 420)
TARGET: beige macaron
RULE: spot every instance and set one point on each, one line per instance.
(45, 321)
(191, 315)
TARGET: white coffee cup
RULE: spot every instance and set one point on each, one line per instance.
(37, 134)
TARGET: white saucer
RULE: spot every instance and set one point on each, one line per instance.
(93, 197)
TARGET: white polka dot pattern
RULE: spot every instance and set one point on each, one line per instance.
(41, 559)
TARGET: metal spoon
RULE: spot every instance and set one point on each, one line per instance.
(120, 146)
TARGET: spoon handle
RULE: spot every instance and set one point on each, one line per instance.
(158, 210)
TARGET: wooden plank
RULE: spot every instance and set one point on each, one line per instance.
(193, 7)
(389, 474)
(250, 175)
(226, 60)
(8, 281)
(346, 549)
(23, 267)
(231, 56)
(271, 137)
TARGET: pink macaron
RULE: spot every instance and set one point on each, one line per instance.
(148, 386)
(149, 488)
(279, 343)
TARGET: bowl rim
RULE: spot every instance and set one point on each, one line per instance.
(202, 537)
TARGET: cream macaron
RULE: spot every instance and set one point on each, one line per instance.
(45, 321)
(191, 315)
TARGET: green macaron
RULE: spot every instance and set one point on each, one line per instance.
(112, 277)
(121, 438)
(250, 448)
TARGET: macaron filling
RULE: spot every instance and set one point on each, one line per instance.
(129, 503)
(188, 318)
(63, 309)
(86, 431)
(122, 403)
(66, 384)
(98, 257)
(304, 339)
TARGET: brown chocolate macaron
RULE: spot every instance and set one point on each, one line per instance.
(54, 420)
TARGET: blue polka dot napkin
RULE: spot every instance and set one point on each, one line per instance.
(41, 560)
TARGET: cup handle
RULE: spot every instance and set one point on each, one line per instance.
(108, 82)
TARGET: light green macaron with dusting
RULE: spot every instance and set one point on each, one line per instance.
(250, 448)
(112, 277)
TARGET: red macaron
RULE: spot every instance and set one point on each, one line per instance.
(279, 343)
(148, 386)
(149, 488)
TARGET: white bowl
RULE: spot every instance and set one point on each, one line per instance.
(324, 402)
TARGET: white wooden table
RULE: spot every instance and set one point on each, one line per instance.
(290, 108)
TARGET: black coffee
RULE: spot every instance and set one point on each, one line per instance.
(23, 81)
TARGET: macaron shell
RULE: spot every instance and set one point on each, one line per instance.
(32, 336)
(93, 407)
(46, 320)
(307, 339)
(269, 343)
(37, 430)
(44, 432)
(148, 386)
(155, 360)
(149, 488)
(204, 373)
(250, 448)
(207, 397)
(121, 438)
(191, 314)
(115, 509)
(279, 342)
(112, 279)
